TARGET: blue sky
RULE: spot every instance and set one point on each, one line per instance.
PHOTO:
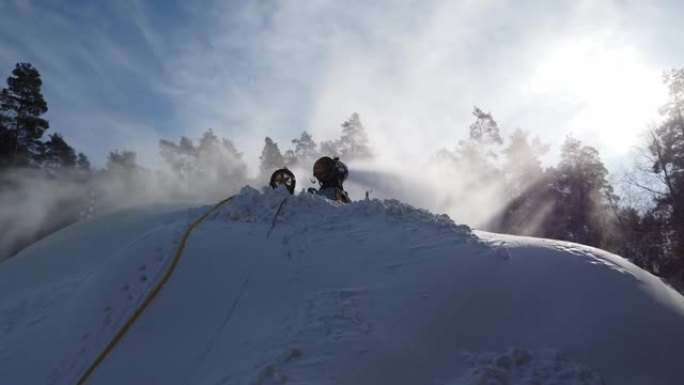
(123, 74)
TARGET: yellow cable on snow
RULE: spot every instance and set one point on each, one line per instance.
(151, 295)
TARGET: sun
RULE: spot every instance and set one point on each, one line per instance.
(611, 89)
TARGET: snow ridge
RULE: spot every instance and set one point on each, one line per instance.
(252, 206)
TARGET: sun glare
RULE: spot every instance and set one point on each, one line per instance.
(614, 93)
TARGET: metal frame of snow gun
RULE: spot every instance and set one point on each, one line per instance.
(151, 295)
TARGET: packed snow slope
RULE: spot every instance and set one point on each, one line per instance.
(374, 292)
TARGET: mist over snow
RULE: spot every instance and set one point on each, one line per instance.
(440, 188)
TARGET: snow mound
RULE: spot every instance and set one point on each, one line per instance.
(523, 367)
(251, 205)
(276, 288)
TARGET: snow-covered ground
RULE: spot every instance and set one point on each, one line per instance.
(374, 292)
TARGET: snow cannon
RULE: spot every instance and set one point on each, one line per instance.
(283, 177)
(330, 172)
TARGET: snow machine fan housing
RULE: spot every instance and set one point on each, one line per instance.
(283, 177)
(330, 171)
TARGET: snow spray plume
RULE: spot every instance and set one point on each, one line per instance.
(430, 185)
(195, 173)
(473, 186)
(35, 203)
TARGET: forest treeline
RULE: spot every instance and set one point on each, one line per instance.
(45, 184)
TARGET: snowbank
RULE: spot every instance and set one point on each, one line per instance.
(374, 292)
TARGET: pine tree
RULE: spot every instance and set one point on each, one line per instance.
(82, 162)
(477, 153)
(529, 212)
(122, 161)
(271, 158)
(208, 141)
(21, 105)
(485, 130)
(219, 160)
(6, 141)
(641, 236)
(523, 164)
(290, 158)
(581, 213)
(180, 158)
(58, 153)
(331, 148)
(666, 149)
(305, 148)
(528, 195)
(354, 140)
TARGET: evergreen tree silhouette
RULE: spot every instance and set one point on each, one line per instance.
(21, 106)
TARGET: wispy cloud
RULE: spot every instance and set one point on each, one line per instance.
(413, 69)
(93, 76)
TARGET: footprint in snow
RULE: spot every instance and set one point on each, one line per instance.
(502, 253)
(394, 267)
(272, 373)
(337, 314)
(292, 354)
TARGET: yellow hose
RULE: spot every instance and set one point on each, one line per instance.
(150, 296)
